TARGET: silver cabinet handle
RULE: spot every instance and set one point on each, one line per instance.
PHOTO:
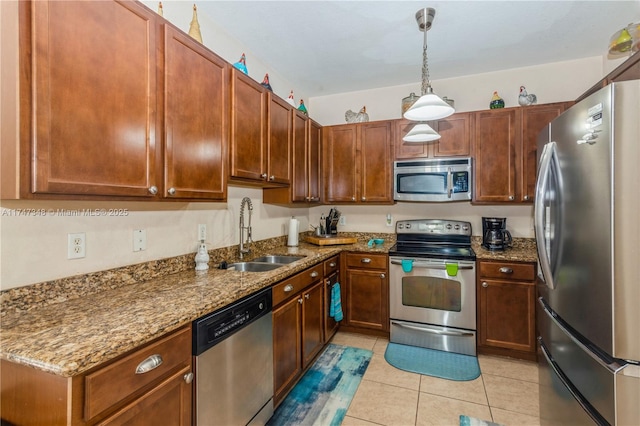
(288, 288)
(263, 175)
(526, 197)
(332, 264)
(365, 260)
(353, 198)
(484, 284)
(314, 274)
(382, 276)
(306, 296)
(172, 191)
(153, 190)
(300, 301)
(327, 282)
(272, 177)
(314, 198)
(511, 198)
(506, 270)
(364, 198)
(188, 377)
(154, 361)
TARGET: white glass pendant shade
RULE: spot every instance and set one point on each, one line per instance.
(429, 107)
(421, 133)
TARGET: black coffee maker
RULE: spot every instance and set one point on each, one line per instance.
(494, 233)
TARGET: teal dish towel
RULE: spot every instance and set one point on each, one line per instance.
(335, 310)
(407, 265)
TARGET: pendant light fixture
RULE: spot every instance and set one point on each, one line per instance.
(421, 132)
(429, 106)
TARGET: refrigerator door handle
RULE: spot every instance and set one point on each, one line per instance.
(614, 367)
(567, 384)
(548, 153)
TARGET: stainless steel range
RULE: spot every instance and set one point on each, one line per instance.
(432, 275)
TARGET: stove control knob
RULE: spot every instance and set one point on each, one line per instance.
(408, 225)
(448, 226)
(465, 228)
(400, 226)
(456, 227)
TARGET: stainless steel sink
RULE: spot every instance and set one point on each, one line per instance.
(278, 259)
(254, 266)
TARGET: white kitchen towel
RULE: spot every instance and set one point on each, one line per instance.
(335, 310)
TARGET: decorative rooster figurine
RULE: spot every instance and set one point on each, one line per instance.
(359, 117)
(525, 99)
(496, 101)
(302, 108)
(291, 99)
(265, 82)
(242, 64)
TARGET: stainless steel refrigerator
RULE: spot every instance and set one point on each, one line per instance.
(587, 226)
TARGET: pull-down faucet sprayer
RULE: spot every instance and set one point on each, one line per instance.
(243, 250)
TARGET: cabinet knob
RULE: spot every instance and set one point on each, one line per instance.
(506, 270)
(364, 198)
(382, 276)
(365, 260)
(306, 296)
(511, 198)
(300, 301)
(353, 198)
(484, 284)
(315, 198)
(314, 274)
(171, 191)
(526, 197)
(188, 377)
(263, 176)
(272, 177)
(327, 282)
(288, 288)
(153, 190)
(152, 362)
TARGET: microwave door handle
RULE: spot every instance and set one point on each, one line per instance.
(449, 183)
(542, 183)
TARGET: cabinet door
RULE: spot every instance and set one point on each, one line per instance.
(338, 163)
(405, 150)
(376, 167)
(312, 322)
(367, 299)
(495, 154)
(279, 140)
(287, 354)
(248, 128)
(167, 403)
(455, 136)
(299, 170)
(534, 119)
(196, 132)
(313, 160)
(330, 324)
(93, 99)
(506, 315)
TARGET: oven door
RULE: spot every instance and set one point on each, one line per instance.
(430, 291)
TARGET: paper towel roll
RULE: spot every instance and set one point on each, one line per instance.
(293, 232)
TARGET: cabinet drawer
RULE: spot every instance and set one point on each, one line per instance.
(365, 260)
(331, 265)
(287, 288)
(117, 381)
(508, 271)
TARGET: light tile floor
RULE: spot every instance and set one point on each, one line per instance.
(506, 392)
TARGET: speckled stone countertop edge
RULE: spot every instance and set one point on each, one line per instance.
(76, 334)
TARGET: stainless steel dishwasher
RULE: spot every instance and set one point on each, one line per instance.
(233, 350)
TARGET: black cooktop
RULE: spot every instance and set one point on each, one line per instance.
(433, 238)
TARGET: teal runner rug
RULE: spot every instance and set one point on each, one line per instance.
(323, 394)
(471, 421)
(430, 362)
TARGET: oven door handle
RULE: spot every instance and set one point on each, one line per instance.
(417, 264)
(434, 331)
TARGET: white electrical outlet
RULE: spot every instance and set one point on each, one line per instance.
(76, 248)
(202, 232)
(139, 239)
(343, 220)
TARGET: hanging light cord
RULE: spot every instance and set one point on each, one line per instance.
(425, 68)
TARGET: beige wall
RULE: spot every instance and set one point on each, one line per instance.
(34, 248)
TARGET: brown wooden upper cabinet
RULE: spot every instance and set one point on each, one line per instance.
(196, 119)
(261, 133)
(455, 138)
(305, 165)
(94, 90)
(357, 163)
(505, 144)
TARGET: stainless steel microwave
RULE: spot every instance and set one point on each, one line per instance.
(433, 180)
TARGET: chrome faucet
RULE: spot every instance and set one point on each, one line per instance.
(243, 250)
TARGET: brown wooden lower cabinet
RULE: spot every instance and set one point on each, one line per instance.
(109, 394)
(366, 292)
(506, 309)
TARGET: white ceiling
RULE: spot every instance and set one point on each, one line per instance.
(341, 46)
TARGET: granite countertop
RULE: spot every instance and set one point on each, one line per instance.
(73, 336)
